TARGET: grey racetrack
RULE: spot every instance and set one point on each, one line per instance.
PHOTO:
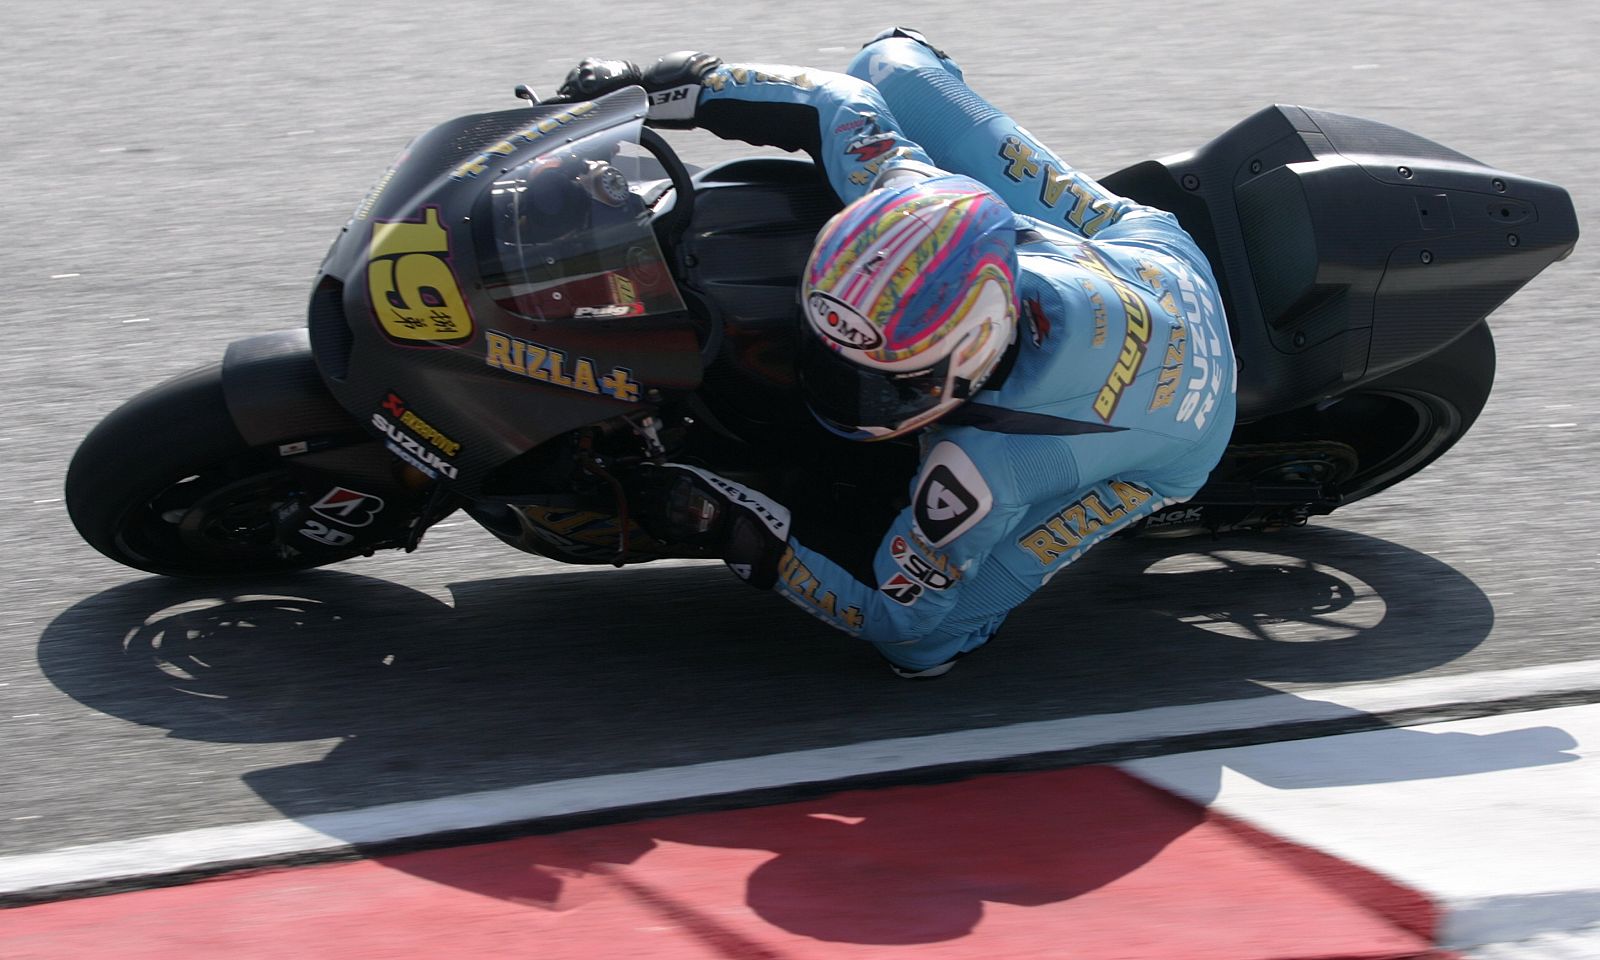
(171, 173)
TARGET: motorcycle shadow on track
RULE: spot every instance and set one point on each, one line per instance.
(542, 678)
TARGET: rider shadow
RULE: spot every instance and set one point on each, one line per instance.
(544, 678)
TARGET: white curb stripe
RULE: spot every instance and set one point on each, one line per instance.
(190, 849)
(1495, 817)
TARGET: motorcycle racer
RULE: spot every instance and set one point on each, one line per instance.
(1060, 352)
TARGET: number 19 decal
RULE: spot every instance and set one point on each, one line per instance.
(414, 294)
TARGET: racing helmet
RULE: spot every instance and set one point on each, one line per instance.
(910, 302)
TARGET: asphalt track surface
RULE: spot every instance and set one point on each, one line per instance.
(172, 173)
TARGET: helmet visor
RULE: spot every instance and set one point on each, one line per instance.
(852, 397)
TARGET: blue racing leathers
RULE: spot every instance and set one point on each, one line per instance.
(1120, 398)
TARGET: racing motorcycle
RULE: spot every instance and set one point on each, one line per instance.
(532, 305)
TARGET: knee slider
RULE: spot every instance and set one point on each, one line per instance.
(883, 59)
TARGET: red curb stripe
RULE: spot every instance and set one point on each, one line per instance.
(1410, 910)
(1084, 862)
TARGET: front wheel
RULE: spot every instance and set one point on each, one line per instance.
(167, 484)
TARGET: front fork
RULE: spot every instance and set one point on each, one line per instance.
(347, 492)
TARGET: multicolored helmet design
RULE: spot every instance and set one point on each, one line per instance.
(911, 296)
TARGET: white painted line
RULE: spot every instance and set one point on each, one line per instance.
(190, 849)
(63, 276)
(1581, 944)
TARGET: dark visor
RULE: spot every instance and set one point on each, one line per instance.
(851, 396)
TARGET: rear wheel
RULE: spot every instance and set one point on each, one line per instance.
(167, 484)
(1400, 423)
(1279, 470)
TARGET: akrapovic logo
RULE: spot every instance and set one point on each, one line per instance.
(411, 450)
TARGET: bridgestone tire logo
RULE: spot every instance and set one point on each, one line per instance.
(349, 508)
(901, 589)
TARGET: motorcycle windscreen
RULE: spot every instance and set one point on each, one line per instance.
(567, 236)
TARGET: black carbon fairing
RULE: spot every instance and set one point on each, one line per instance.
(499, 286)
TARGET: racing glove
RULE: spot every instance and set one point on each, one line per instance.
(673, 83)
(743, 527)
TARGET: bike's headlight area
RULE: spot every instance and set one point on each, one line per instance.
(565, 236)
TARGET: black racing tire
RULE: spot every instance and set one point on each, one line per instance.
(1405, 420)
(167, 484)
(1384, 430)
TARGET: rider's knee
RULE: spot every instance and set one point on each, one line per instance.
(891, 56)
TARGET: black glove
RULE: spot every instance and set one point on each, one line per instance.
(594, 77)
(743, 527)
(909, 34)
(673, 83)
